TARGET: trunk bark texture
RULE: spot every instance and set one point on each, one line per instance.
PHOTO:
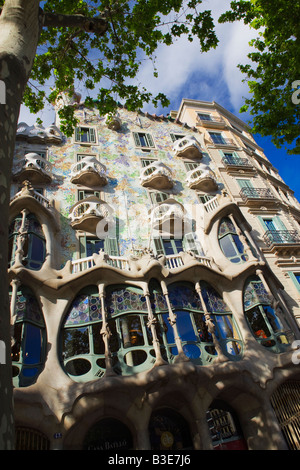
(19, 33)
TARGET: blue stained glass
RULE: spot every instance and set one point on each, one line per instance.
(213, 301)
(125, 299)
(84, 309)
(255, 293)
(182, 296)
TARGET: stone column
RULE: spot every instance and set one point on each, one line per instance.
(152, 321)
(211, 327)
(105, 331)
(172, 321)
(15, 284)
(19, 253)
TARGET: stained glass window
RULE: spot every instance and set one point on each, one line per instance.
(33, 244)
(125, 299)
(29, 338)
(196, 341)
(230, 243)
(265, 324)
(225, 326)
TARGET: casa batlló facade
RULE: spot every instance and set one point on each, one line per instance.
(154, 265)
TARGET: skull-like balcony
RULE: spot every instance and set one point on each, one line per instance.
(87, 213)
(88, 172)
(202, 178)
(113, 122)
(33, 168)
(156, 176)
(187, 147)
(169, 217)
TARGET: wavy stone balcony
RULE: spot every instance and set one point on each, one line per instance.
(171, 262)
(257, 195)
(283, 242)
(86, 214)
(113, 122)
(89, 172)
(157, 176)
(187, 147)
(202, 178)
(33, 168)
(169, 218)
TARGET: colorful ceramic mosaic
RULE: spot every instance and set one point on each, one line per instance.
(125, 300)
(213, 301)
(27, 308)
(182, 296)
(123, 192)
(255, 293)
(84, 309)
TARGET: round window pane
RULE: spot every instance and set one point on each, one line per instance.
(78, 367)
(135, 358)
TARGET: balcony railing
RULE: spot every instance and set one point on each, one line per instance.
(212, 121)
(33, 167)
(234, 161)
(256, 193)
(156, 175)
(202, 179)
(121, 262)
(27, 190)
(89, 171)
(279, 237)
(187, 147)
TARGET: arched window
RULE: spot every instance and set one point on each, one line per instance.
(168, 430)
(225, 327)
(131, 340)
(109, 434)
(82, 345)
(230, 243)
(263, 321)
(195, 338)
(31, 439)
(224, 427)
(33, 242)
(28, 349)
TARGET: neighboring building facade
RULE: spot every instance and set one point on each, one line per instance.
(155, 285)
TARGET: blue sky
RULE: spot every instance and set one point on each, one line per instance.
(183, 72)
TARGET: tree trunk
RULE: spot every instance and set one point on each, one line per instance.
(19, 27)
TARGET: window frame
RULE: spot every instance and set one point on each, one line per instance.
(148, 140)
(90, 132)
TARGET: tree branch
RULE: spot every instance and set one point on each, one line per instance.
(97, 26)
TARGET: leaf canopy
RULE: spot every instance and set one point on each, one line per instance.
(107, 64)
(274, 68)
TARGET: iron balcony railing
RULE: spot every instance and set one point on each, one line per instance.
(256, 193)
(278, 237)
(234, 161)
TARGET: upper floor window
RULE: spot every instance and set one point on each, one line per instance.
(92, 245)
(217, 138)
(175, 137)
(230, 243)
(85, 135)
(26, 236)
(204, 117)
(143, 139)
(157, 197)
(29, 334)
